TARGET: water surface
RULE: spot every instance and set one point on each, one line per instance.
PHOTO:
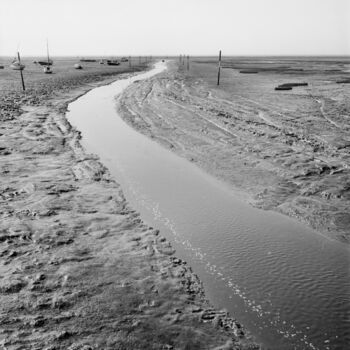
(286, 283)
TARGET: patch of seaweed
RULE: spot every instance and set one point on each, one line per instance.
(280, 87)
(294, 84)
(343, 81)
(289, 86)
(248, 71)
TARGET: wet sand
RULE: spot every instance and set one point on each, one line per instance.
(79, 269)
(286, 151)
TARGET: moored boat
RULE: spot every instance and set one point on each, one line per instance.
(47, 68)
(45, 63)
(113, 62)
(17, 65)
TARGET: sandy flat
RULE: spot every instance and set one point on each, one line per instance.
(286, 151)
(79, 269)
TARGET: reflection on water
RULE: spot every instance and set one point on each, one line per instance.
(287, 284)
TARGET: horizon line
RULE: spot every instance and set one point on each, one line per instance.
(193, 55)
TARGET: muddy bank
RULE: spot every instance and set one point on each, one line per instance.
(79, 268)
(284, 151)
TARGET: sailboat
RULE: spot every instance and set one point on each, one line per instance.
(16, 63)
(47, 68)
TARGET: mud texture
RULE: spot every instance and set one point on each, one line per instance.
(287, 151)
(78, 267)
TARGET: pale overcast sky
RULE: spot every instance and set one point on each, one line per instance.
(151, 27)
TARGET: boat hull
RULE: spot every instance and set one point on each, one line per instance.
(45, 63)
(17, 66)
(47, 70)
(113, 63)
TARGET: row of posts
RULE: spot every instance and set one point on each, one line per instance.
(182, 59)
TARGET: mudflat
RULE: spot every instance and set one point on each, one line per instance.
(79, 269)
(285, 150)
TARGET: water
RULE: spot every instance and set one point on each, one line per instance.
(287, 284)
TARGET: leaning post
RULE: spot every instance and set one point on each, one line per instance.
(219, 67)
(20, 70)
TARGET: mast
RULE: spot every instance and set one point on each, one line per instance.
(47, 49)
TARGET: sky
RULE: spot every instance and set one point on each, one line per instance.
(172, 27)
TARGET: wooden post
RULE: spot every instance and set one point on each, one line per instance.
(183, 60)
(188, 62)
(219, 68)
(129, 61)
(180, 59)
(20, 70)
